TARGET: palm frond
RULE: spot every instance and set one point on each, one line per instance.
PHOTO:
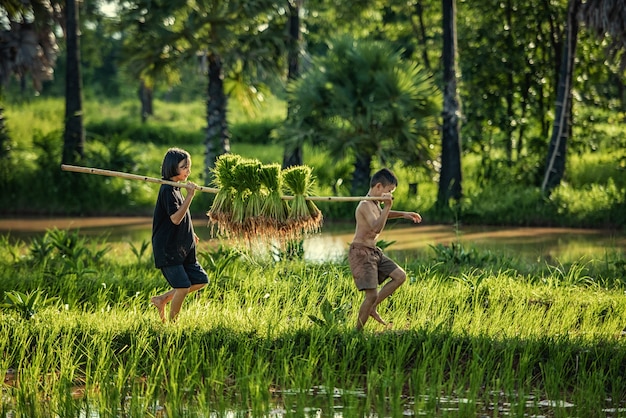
(607, 19)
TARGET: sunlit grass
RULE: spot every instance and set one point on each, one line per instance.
(268, 334)
(596, 169)
(26, 120)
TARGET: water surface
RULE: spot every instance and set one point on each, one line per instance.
(563, 244)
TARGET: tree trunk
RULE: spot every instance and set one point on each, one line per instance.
(145, 96)
(419, 10)
(74, 137)
(361, 175)
(5, 146)
(217, 140)
(450, 175)
(509, 96)
(293, 156)
(557, 151)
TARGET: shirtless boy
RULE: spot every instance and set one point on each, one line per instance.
(369, 266)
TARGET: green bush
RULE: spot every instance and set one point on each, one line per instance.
(593, 205)
(505, 205)
(52, 191)
(254, 132)
(141, 133)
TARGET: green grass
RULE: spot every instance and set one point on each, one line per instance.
(471, 331)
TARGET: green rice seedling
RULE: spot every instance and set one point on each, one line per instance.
(248, 342)
(593, 380)
(220, 213)
(9, 248)
(304, 216)
(140, 251)
(247, 174)
(246, 201)
(65, 381)
(27, 304)
(275, 209)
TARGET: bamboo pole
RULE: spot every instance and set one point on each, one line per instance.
(111, 173)
(129, 176)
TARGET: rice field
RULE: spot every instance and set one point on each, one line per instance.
(273, 336)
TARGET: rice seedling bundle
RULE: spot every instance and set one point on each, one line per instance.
(304, 216)
(275, 209)
(221, 210)
(253, 206)
(248, 199)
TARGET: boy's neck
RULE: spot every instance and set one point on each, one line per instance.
(372, 193)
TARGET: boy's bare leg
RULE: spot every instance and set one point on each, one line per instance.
(374, 314)
(177, 301)
(398, 276)
(161, 300)
(179, 297)
(195, 287)
(366, 307)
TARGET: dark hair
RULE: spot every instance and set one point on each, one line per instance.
(173, 156)
(385, 177)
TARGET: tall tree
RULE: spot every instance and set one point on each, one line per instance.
(450, 174)
(363, 101)
(28, 47)
(74, 134)
(293, 155)
(235, 38)
(508, 67)
(562, 127)
(146, 96)
(605, 18)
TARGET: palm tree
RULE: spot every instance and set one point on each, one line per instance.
(74, 134)
(364, 101)
(604, 18)
(450, 174)
(27, 47)
(229, 35)
(293, 156)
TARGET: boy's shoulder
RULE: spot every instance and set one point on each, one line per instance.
(362, 205)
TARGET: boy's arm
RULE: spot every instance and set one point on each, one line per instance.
(411, 216)
(374, 220)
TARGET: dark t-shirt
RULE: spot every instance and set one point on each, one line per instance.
(171, 244)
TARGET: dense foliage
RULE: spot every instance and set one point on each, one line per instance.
(508, 64)
(592, 197)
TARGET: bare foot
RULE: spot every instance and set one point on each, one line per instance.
(377, 317)
(160, 305)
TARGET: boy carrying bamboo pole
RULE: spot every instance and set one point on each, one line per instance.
(369, 266)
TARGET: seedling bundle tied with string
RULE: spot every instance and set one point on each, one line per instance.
(258, 207)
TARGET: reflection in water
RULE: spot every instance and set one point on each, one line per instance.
(534, 244)
(321, 401)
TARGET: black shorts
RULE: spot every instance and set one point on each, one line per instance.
(182, 276)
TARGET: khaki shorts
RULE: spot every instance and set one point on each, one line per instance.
(370, 267)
